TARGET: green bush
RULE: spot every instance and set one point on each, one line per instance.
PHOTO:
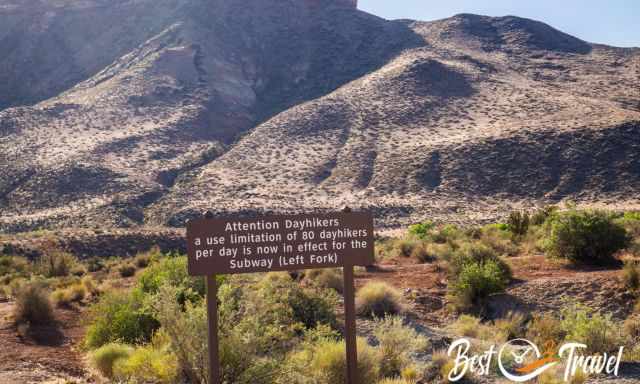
(56, 263)
(172, 271)
(541, 215)
(33, 305)
(518, 223)
(446, 234)
(186, 327)
(119, 316)
(588, 237)
(104, 358)
(597, 331)
(478, 253)
(475, 283)
(379, 299)
(396, 345)
(421, 230)
(280, 310)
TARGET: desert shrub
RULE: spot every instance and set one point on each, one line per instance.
(442, 252)
(104, 358)
(78, 270)
(631, 328)
(498, 240)
(631, 222)
(544, 328)
(435, 371)
(280, 310)
(95, 264)
(496, 227)
(519, 222)
(78, 292)
(421, 230)
(324, 362)
(56, 263)
(119, 316)
(589, 237)
(142, 260)
(555, 375)
(446, 234)
(379, 299)
(63, 297)
(631, 275)
(186, 327)
(475, 283)
(478, 253)
(405, 247)
(396, 344)
(512, 326)
(597, 331)
(127, 270)
(33, 305)
(466, 325)
(147, 364)
(421, 253)
(14, 266)
(172, 271)
(327, 278)
(90, 285)
(541, 215)
(385, 248)
(410, 374)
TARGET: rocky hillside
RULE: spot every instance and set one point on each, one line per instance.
(146, 112)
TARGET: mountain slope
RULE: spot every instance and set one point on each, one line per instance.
(287, 105)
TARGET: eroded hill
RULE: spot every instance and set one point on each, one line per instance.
(146, 113)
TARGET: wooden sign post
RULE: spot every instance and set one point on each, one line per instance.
(280, 243)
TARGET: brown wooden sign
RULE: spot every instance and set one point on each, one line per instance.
(280, 243)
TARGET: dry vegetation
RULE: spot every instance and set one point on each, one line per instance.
(150, 326)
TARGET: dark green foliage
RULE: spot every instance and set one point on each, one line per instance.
(421, 230)
(518, 223)
(475, 273)
(587, 237)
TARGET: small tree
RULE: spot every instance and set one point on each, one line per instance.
(589, 237)
(518, 223)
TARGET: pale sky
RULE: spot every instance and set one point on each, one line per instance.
(612, 22)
